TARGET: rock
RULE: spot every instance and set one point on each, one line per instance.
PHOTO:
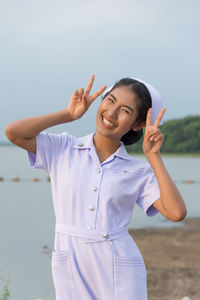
(15, 178)
(35, 179)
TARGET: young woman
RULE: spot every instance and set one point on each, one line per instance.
(95, 185)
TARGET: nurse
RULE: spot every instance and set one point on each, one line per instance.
(95, 185)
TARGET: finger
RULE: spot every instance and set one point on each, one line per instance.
(85, 102)
(159, 117)
(90, 84)
(75, 93)
(151, 131)
(99, 92)
(148, 118)
(159, 137)
(152, 137)
(81, 92)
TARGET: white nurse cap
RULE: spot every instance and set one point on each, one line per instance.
(157, 103)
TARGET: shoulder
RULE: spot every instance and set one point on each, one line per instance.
(55, 141)
(140, 165)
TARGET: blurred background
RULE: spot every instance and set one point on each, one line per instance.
(48, 49)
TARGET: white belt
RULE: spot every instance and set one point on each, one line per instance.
(96, 235)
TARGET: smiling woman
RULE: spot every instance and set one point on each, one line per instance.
(95, 186)
(132, 99)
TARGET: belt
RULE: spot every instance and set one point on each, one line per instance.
(95, 235)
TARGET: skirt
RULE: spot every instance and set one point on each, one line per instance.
(90, 265)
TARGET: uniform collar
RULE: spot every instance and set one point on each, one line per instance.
(86, 142)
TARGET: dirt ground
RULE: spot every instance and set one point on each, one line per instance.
(172, 259)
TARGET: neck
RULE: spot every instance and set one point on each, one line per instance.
(104, 144)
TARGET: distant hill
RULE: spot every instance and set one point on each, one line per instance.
(180, 136)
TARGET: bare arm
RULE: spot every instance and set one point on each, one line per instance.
(23, 132)
(170, 204)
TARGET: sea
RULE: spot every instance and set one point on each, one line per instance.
(27, 220)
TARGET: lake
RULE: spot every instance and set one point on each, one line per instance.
(27, 219)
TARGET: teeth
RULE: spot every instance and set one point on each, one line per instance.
(108, 123)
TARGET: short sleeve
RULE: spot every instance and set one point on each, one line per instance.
(48, 148)
(149, 192)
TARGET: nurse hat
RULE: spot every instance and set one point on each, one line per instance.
(157, 103)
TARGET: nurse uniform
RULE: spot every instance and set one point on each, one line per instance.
(94, 256)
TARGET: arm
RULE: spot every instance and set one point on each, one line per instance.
(23, 132)
(170, 204)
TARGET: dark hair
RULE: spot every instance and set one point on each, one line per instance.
(144, 102)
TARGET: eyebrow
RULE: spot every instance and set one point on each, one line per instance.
(123, 105)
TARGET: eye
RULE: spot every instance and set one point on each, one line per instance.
(126, 110)
(111, 100)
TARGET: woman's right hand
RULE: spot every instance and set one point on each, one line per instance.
(80, 101)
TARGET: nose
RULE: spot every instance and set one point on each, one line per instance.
(113, 113)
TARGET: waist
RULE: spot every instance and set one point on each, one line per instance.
(92, 234)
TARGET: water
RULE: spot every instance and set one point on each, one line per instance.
(27, 219)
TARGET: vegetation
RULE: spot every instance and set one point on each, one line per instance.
(5, 278)
(180, 136)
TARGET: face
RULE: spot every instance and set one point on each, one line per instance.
(117, 113)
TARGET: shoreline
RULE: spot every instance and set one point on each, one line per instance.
(196, 154)
(172, 259)
(168, 154)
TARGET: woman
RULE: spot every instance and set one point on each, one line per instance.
(95, 185)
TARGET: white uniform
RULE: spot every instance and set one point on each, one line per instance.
(94, 256)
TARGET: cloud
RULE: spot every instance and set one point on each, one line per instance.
(39, 18)
(47, 21)
(48, 48)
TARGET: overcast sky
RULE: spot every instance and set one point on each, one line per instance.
(49, 48)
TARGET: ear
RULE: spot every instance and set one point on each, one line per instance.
(140, 126)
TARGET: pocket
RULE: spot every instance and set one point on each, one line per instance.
(129, 261)
(121, 171)
(62, 274)
(130, 278)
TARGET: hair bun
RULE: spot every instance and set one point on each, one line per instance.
(132, 136)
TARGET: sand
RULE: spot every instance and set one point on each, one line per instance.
(172, 259)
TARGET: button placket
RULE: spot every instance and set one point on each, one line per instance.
(98, 170)
(94, 198)
(91, 207)
(94, 188)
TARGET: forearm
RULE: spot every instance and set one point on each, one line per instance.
(29, 127)
(170, 196)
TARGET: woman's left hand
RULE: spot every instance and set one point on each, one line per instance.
(153, 138)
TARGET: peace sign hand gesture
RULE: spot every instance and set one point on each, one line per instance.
(153, 138)
(80, 101)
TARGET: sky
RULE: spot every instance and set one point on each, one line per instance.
(49, 48)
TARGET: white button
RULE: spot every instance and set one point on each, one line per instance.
(94, 188)
(98, 170)
(105, 235)
(89, 227)
(80, 144)
(91, 207)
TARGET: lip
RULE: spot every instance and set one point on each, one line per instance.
(107, 125)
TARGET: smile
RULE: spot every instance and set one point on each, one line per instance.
(107, 124)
